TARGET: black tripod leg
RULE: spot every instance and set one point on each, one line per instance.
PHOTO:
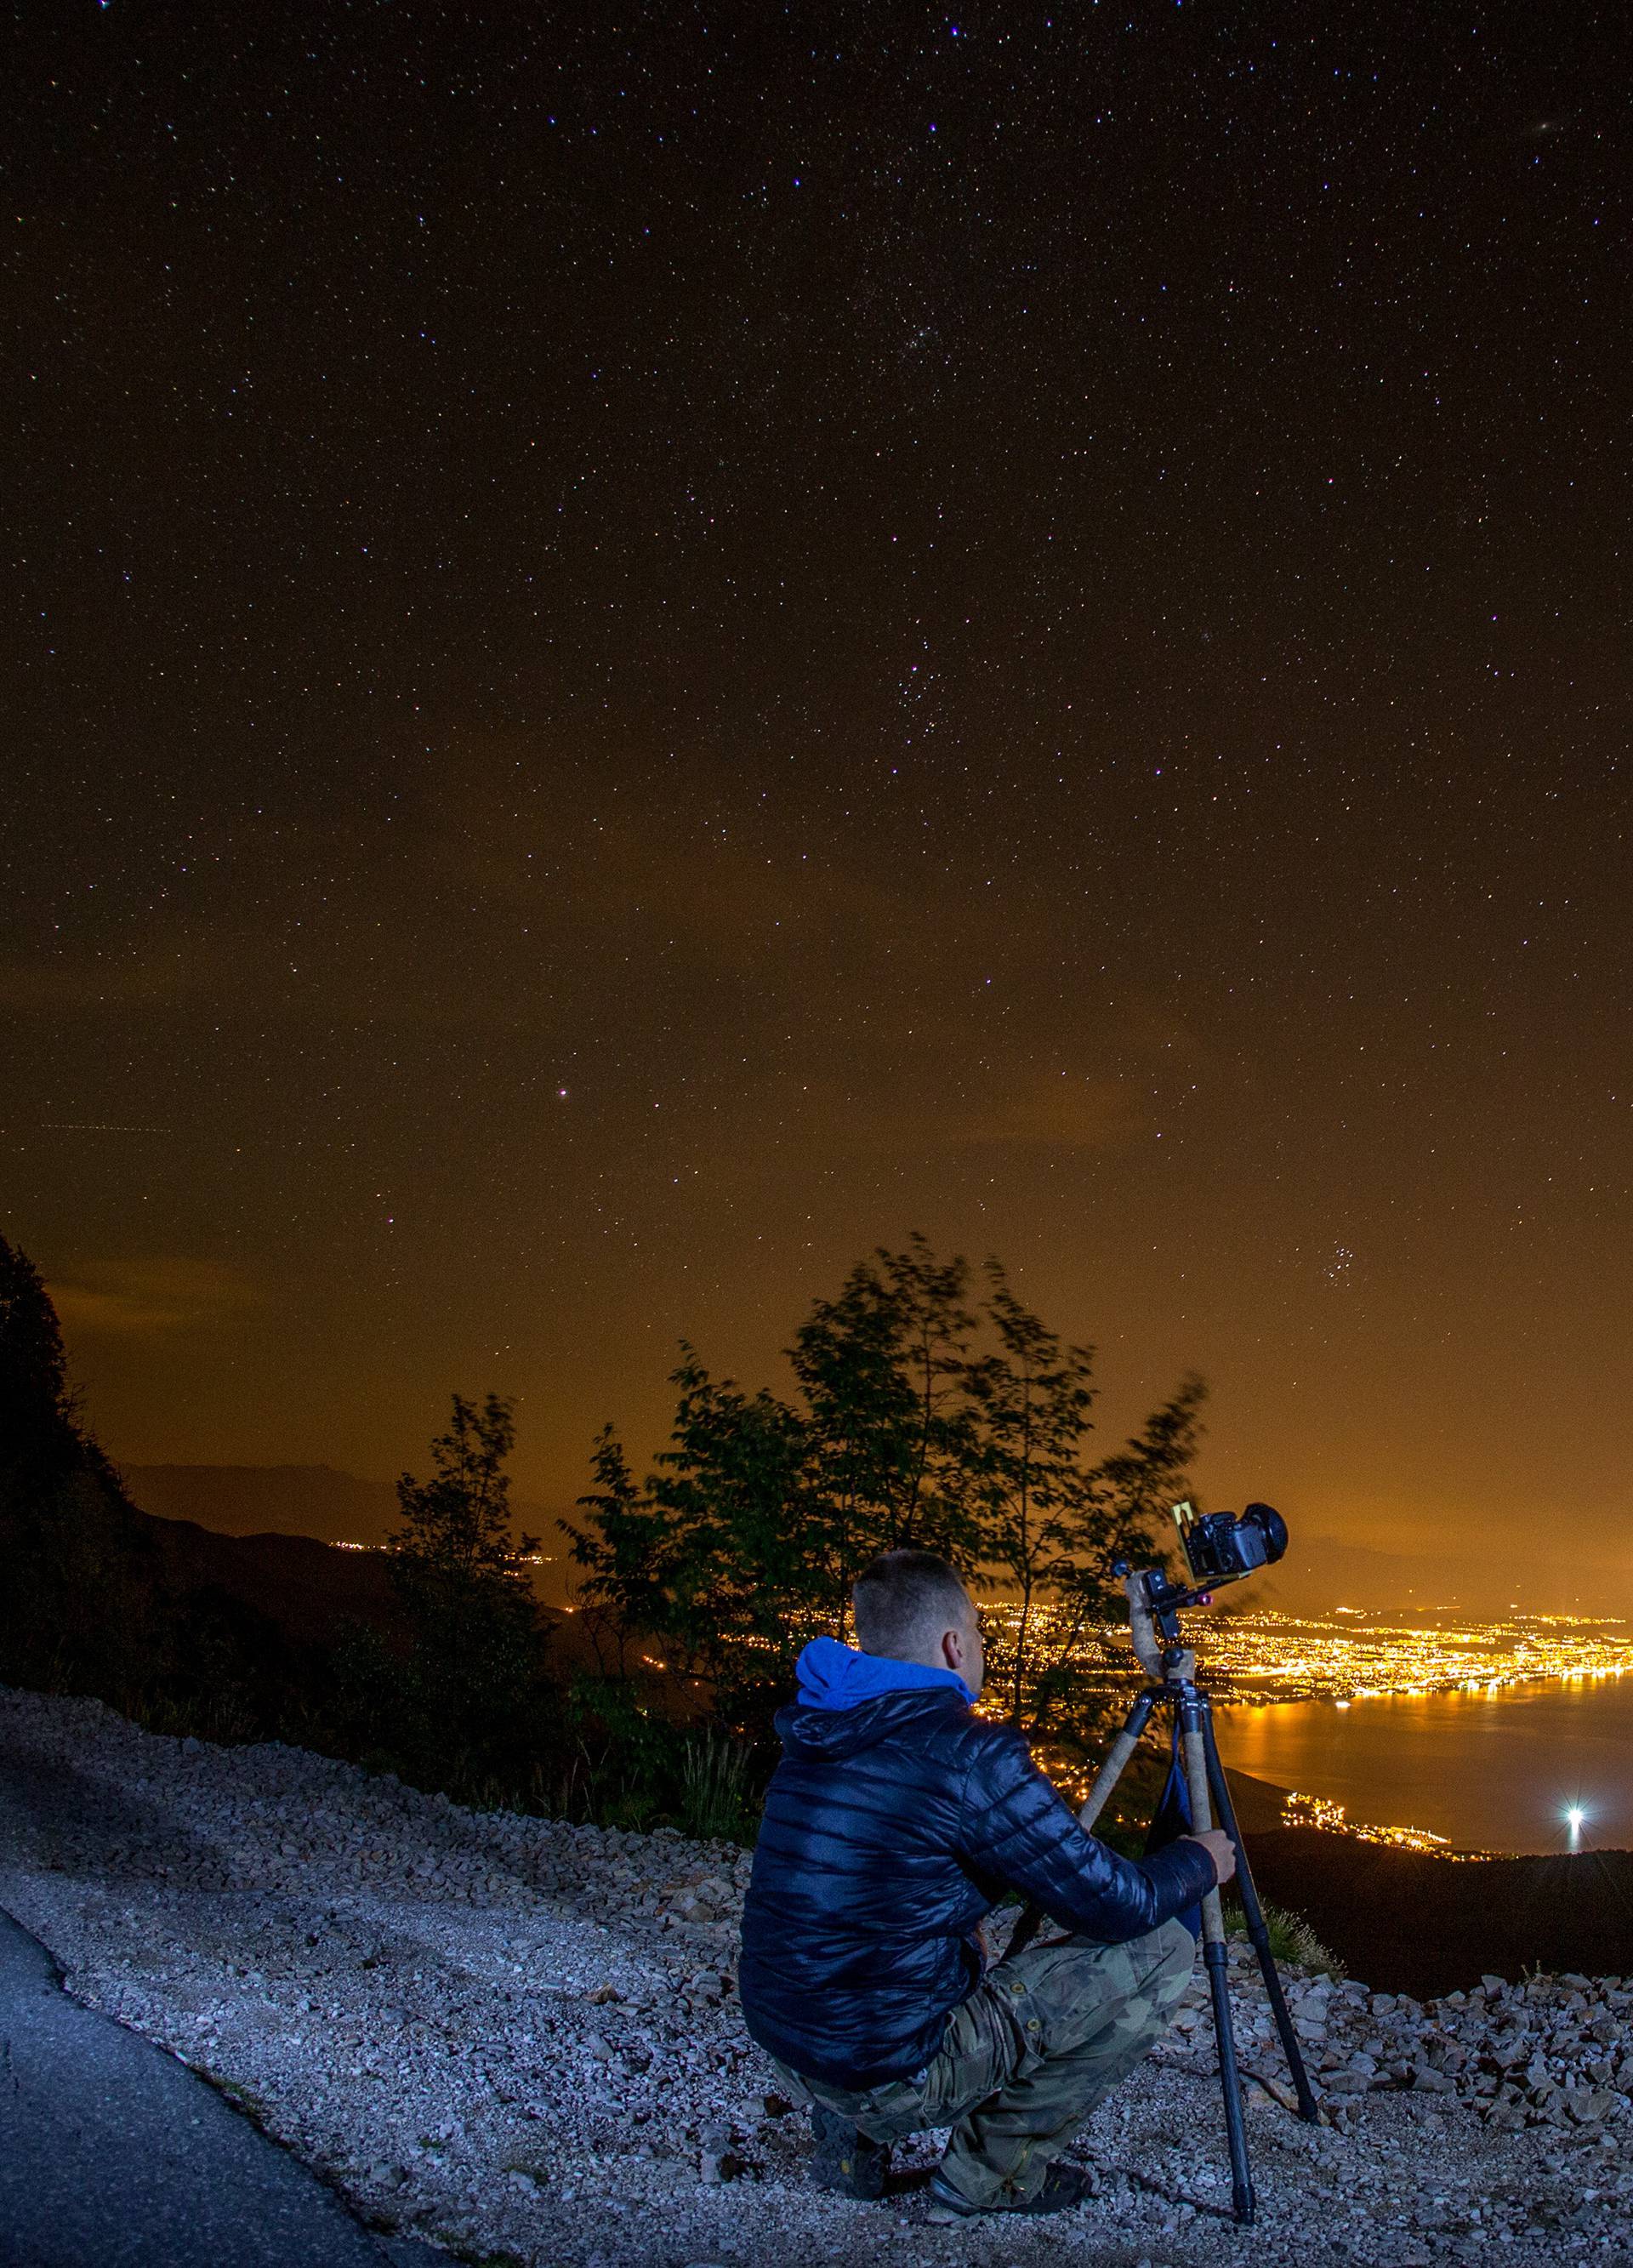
(1258, 1930)
(1105, 1780)
(1197, 1742)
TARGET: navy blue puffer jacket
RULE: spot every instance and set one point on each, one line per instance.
(890, 1830)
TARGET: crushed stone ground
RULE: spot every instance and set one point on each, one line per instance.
(521, 2039)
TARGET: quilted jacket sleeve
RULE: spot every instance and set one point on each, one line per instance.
(1015, 1826)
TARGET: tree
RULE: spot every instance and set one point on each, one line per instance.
(39, 1439)
(1040, 1509)
(1056, 1525)
(78, 1597)
(457, 1525)
(623, 1547)
(889, 1449)
(713, 1557)
(461, 1577)
(745, 1540)
(731, 1490)
(760, 1512)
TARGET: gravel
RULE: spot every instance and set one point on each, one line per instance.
(521, 2039)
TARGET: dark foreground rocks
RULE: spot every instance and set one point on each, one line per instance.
(521, 2040)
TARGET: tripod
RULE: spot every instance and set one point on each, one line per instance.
(1154, 1604)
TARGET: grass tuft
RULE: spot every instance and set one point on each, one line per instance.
(714, 1802)
(1292, 1940)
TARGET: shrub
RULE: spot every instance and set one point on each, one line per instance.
(1292, 1940)
(716, 1800)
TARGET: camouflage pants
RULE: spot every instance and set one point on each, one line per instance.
(1027, 2057)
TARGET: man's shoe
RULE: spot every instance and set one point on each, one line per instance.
(846, 2160)
(1063, 2187)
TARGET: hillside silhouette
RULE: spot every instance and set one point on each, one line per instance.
(316, 1501)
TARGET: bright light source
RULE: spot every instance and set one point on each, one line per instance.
(1574, 1818)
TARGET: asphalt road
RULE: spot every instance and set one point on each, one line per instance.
(113, 2155)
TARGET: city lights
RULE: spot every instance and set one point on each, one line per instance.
(1256, 1660)
(1301, 1810)
(1266, 1656)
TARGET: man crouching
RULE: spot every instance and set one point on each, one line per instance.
(892, 1825)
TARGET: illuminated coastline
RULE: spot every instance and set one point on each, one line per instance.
(1300, 1810)
(1254, 1661)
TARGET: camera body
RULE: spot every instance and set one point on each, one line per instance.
(1220, 1547)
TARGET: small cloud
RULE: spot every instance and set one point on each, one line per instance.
(1081, 1113)
(147, 1299)
(1031, 1111)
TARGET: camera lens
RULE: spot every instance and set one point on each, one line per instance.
(1271, 1526)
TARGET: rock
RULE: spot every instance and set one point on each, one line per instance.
(1588, 2106)
(524, 1997)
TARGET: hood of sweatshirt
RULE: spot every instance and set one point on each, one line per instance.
(835, 1677)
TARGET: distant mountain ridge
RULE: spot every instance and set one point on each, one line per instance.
(1320, 1571)
(1323, 1572)
(317, 1501)
(312, 1500)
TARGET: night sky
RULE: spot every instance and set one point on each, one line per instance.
(651, 646)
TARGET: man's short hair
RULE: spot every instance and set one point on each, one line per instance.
(904, 1601)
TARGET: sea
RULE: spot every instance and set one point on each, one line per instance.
(1490, 1771)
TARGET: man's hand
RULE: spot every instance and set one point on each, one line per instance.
(1221, 1850)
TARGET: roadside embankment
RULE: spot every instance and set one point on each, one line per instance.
(521, 2039)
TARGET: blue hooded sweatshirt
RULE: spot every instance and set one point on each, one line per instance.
(835, 1677)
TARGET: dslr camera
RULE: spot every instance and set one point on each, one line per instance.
(1221, 1547)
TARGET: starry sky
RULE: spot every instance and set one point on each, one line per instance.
(649, 647)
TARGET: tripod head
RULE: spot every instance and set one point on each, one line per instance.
(1154, 1606)
(1220, 1547)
